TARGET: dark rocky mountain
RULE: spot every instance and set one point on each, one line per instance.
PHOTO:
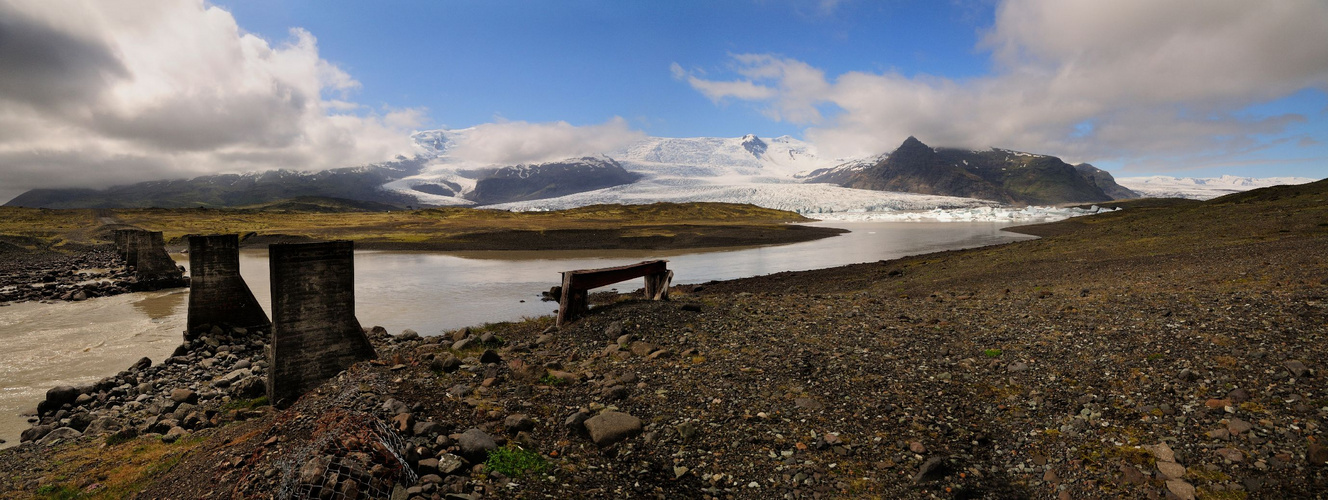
(995, 174)
(230, 190)
(754, 145)
(1103, 179)
(548, 180)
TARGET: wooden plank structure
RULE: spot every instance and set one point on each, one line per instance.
(576, 285)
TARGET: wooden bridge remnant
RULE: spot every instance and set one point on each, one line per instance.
(577, 284)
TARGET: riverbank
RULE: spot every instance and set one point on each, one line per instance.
(1146, 352)
(658, 226)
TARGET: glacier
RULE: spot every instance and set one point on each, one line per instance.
(1197, 188)
(769, 173)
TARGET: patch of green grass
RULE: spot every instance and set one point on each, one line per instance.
(56, 491)
(1155, 356)
(245, 404)
(992, 353)
(515, 462)
(551, 380)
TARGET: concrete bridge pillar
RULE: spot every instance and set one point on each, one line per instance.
(218, 294)
(315, 334)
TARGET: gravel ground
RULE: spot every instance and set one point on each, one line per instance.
(1149, 353)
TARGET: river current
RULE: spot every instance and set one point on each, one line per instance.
(73, 343)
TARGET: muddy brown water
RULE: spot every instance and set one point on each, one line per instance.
(73, 343)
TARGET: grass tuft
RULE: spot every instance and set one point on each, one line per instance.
(515, 462)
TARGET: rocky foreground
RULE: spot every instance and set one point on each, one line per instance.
(1148, 353)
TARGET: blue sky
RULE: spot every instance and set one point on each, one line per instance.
(93, 94)
(582, 62)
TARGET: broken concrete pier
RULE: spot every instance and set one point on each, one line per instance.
(145, 251)
(315, 334)
(218, 294)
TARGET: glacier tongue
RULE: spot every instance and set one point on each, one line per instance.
(974, 214)
(1199, 188)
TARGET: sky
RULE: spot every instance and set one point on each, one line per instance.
(96, 93)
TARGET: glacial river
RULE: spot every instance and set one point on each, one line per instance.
(73, 343)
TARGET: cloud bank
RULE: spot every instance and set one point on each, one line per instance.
(99, 93)
(508, 143)
(1127, 79)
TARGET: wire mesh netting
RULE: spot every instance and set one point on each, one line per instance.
(352, 456)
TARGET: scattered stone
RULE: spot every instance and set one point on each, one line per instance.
(447, 363)
(182, 395)
(475, 443)
(174, 434)
(1171, 470)
(614, 330)
(1162, 452)
(1237, 426)
(1231, 454)
(1297, 368)
(408, 334)
(1182, 489)
(611, 426)
(518, 422)
(933, 469)
(1316, 454)
(449, 463)
(490, 356)
(807, 403)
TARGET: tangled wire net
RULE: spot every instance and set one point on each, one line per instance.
(352, 455)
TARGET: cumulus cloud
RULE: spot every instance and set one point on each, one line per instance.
(98, 93)
(512, 142)
(1085, 79)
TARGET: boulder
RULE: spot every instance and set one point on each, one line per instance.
(61, 395)
(34, 433)
(59, 435)
(249, 387)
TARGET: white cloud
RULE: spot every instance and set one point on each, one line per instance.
(1084, 79)
(96, 93)
(508, 143)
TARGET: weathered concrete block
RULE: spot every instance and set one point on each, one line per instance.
(217, 292)
(145, 251)
(315, 334)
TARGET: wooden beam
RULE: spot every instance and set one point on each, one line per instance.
(576, 285)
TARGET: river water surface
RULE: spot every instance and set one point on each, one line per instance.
(74, 343)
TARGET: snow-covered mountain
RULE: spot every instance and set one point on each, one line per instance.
(766, 172)
(1161, 186)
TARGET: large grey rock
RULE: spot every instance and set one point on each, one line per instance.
(34, 433)
(103, 425)
(60, 395)
(612, 426)
(475, 443)
(62, 434)
(249, 387)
